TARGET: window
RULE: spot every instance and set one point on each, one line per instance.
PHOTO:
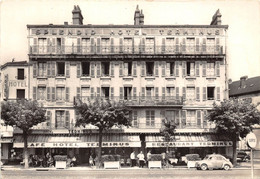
(210, 93)
(150, 118)
(20, 75)
(85, 45)
(41, 93)
(85, 68)
(20, 93)
(128, 43)
(149, 45)
(105, 68)
(191, 118)
(169, 44)
(170, 91)
(210, 69)
(60, 119)
(105, 45)
(127, 92)
(149, 92)
(190, 94)
(190, 69)
(105, 92)
(170, 69)
(134, 118)
(42, 42)
(60, 93)
(41, 69)
(128, 68)
(60, 68)
(191, 44)
(170, 116)
(150, 68)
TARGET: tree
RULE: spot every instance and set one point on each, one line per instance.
(167, 131)
(104, 114)
(234, 118)
(23, 114)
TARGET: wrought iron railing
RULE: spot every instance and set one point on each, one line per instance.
(139, 49)
(136, 100)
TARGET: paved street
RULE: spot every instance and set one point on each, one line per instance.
(130, 173)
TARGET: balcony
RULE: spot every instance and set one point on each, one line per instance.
(127, 50)
(140, 101)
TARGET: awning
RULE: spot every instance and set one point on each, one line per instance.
(154, 141)
(86, 141)
(6, 140)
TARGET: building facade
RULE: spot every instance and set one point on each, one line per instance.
(162, 72)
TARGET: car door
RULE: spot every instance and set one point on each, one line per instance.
(219, 161)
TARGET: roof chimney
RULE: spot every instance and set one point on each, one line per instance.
(243, 81)
(141, 18)
(77, 16)
(137, 16)
(216, 19)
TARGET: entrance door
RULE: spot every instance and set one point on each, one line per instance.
(20, 94)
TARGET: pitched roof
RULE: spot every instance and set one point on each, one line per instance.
(18, 63)
(252, 85)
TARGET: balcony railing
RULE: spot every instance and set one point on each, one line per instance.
(139, 49)
(137, 100)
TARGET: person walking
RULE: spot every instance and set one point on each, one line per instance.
(140, 157)
(133, 159)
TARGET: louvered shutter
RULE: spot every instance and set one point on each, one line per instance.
(204, 70)
(120, 45)
(218, 93)
(163, 68)
(133, 45)
(48, 122)
(197, 68)
(67, 69)
(177, 93)
(121, 65)
(217, 46)
(48, 93)
(143, 68)
(183, 118)
(198, 118)
(204, 45)
(163, 115)
(168, 66)
(184, 69)
(78, 45)
(143, 45)
(184, 44)
(98, 45)
(53, 66)
(53, 45)
(92, 92)
(67, 94)
(177, 68)
(63, 45)
(217, 68)
(92, 69)
(197, 93)
(156, 68)
(112, 69)
(204, 93)
(177, 45)
(92, 43)
(78, 69)
(48, 69)
(163, 45)
(98, 91)
(98, 64)
(35, 70)
(134, 93)
(163, 92)
(143, 93)
(134, 68)
(156, 93)
(67, 120)
(48, 45)
(53, 89)
(112, 45)
(35, 45)
(112, 93)
(121, 90)
(197, 44)
(205, 121)
(184, 93)
(177, 118)
(34, 92)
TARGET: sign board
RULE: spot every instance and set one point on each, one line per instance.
(190, 144)
(251, 140)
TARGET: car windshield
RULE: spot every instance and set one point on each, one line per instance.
(206, 158)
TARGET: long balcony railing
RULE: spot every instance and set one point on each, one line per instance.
(137, 100)
(139, 49)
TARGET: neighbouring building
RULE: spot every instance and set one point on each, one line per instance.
(14, 85)
(162, 72)
(247, 89)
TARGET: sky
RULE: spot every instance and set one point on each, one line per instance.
(242, 16)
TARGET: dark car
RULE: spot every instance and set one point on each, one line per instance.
(243, 156)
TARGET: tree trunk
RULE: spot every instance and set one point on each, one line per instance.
(99, 147)
(234, 151)
(25, 150)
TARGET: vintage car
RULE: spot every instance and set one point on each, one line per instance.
(214, 161)
(243, 156)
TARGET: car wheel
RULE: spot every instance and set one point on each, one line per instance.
(226, 167)
(247, 160)
(204, 167)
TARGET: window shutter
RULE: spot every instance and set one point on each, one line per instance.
(197, 68)
(35, 45)
(163, 68)
(134, 68)
(197, 44)
(112, 69)
(34, 92)
(112, 44)
(92, 43)
(121, 92)
(162, 115)
(133, 45)
(48, 93)
(98, 45)
(163, 45)
(78, 69)
(67, 69)
(168, 66)
(98, 69)
(177, 45)
(177, 118)
(98, 91)
(143, 68)
(112, 92)
(48, 45)
(48, 118)
(205, 121)
(120, 45)
(218, 93)
(156, 68)
(121, 64)
(67, 120)
(177, 93)
(198, 93)
(204, 93)
(63, 45)
(67, 94)
(183, 118)
(53, 45)
(177, 68)
(184, 69)
(204, 45)
(53, 65)
(92, 92)
(134, 93)
(217, 46)
(198, 118)
(184, 93)
(204, 70)
(143, 45)
(78, 45)
(35, 70)
(53, 93)
(143, 93)
(184, 44)
(163, 92)
(156, 93)
(48, 69)
(217, 68)
(92, 69)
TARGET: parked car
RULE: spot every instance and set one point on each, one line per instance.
(243, 156)
(214, 161)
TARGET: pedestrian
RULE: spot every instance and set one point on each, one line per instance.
(148, 155)
(133, 159)
(91, 162)
(140, 157)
